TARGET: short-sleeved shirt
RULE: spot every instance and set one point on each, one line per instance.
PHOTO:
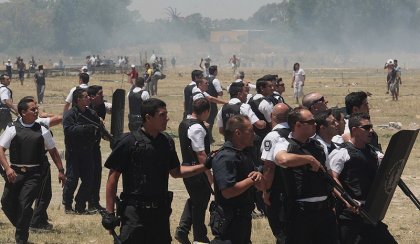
(164, 157)
(244, 109)
(39, 78)
(340, 156)
(200, 94)
(10, 132)
(4, 94)
(231, 166)
(270, 141)
(69, 98)
(283, 145)
(299, 76)
(217, 85)
(325, 145)
(266, 108)
(196, 133)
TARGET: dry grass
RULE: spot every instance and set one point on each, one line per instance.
(402, 217)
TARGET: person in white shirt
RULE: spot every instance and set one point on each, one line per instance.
(326, 129)
(83, 83)
(298, 81)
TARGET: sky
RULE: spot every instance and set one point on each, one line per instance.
(215, 9)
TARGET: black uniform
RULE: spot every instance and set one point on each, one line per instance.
(213, 106)
(188, 99)
(145, 163)
(26, 148)
(357, 177)
(229, 167)
(134, 103)
(97, 159)
(81, 138)
(308, 221)
(5, 115)
(198, 186)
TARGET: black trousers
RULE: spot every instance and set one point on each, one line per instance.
(275, 215)
(79, 165)
(313, 227)
(40, 89)
(40, 216)
(355, 230)
(97, 177)
(142, 225)
(17, 201)
(211, 119)
(239, 231)
(5, 118)
(195, 207)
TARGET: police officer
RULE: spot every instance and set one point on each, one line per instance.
(83, 84)
(309, 197)
(195, 74)
(80, 138)
(326, 129)
(136, 96)
(145, 158)
(354, 166)
(6, 102)
(234, 178)
(235, 106)
(200, 90)
(315, 102)
(215, 90)
(27, 141)
(96, 96)
(195, 146)
(279, 88)
(274, 192)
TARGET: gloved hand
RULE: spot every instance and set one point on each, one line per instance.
(110, 221)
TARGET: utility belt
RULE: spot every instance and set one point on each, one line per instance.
(26, 169)
(222, 217)
(144, 202)
(315, 206)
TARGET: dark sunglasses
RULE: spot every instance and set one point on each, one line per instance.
(309, 122)
(365, 127)
(319, 100)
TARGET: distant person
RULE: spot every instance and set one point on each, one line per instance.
(133, 75)
(136, 97)
(39, 79)
(215, 90)
(399, 81)
(6, 102)
(9, 68)
(21, 66)
(235, 62)
(298, 81)
(173, 62)
(147, 75)
(206, 67)
(393, 80)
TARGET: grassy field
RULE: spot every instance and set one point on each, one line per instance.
(402, 217)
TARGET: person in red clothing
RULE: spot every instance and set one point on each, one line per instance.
(133, 75)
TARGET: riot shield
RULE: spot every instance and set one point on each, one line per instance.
(389, 173)
(117, 116)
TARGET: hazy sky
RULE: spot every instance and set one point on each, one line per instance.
(215, 9)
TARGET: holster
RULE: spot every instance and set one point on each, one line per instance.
(220, 219)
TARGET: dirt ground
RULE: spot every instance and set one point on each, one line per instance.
(402, 217)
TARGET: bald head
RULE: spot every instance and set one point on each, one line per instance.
(315, 102)
(279, 113)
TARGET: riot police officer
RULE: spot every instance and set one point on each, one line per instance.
(308, 195)
(27, 141)
(80, 138)
(144, 158)
(194, 141)
(234, 179)
(6, 102)
(136, 96)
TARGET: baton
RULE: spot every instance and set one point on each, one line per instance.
(408, 193)
(365, 215)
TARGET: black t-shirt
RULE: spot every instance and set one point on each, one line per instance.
(229, 167)
(161, 158)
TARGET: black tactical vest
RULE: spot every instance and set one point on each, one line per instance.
(230, 110)
(301, 182)
(188, 99)
(190, 105)
(278, 186)
(100, 110)
(254, 106)
(147, 174)
(134, 102)
(359, 172)
(27, 147)
(212, 90)
(188, 155)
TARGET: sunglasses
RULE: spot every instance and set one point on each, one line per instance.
(309, 122)
(365, 127)
(319, 100)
